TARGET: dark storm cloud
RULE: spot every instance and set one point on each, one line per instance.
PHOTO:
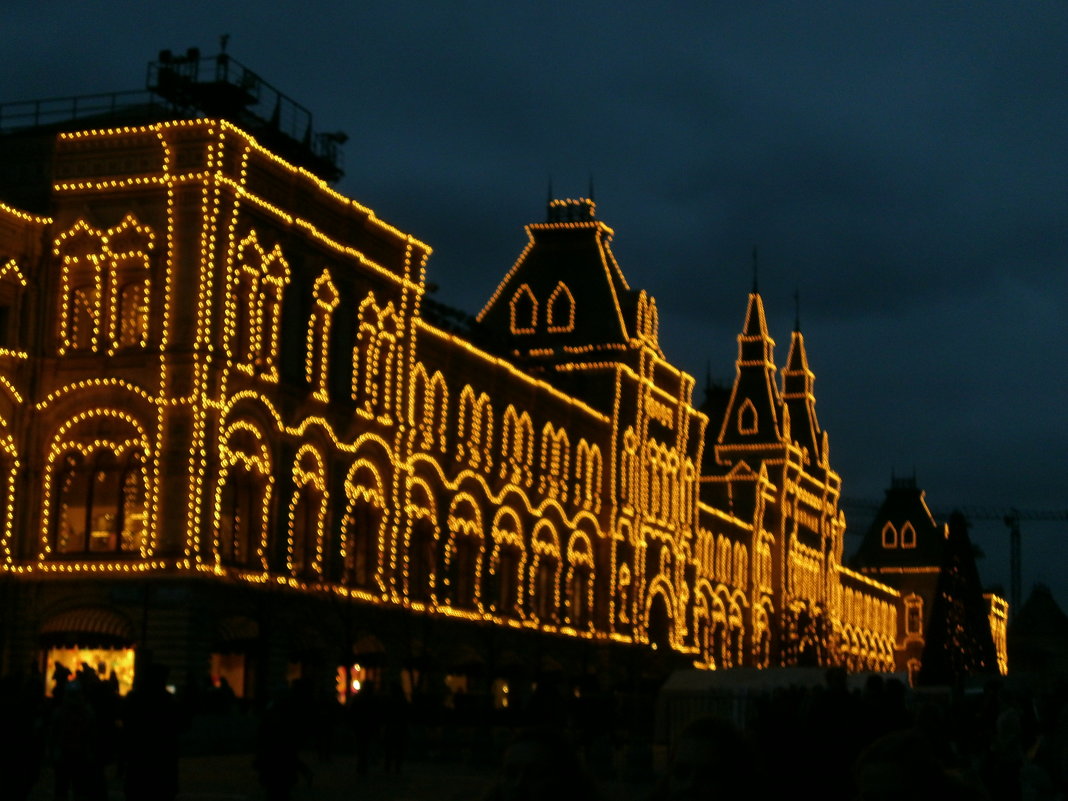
(902, 164)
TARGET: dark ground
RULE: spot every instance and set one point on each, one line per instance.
(231, 778)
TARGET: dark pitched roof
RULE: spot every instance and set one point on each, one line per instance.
(800, 400)
(566, 289)
(903, 506)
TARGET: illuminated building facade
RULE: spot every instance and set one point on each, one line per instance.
(230, 435)
(933, 567)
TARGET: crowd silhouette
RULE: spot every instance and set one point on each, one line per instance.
(881, 742)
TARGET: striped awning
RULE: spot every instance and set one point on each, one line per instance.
(93, 621)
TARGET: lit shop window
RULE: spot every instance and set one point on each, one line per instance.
(355, 678)
(230, 670)
(64, 661)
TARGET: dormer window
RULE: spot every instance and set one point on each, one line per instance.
(748, 421)
(524, 311)
(561, 312)
(889, 536)
(908, 536)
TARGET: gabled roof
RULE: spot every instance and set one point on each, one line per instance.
(566, 289)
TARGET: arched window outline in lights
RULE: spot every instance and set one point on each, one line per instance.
(129, 283)
(748, 420)
(463, 554)
(252, 327)
(362, 528)
(554, 462)
(308, 504)
(908, 535)
(474, 429)
(374, 358)
(560, 311)
(428, 410)
(421, 565)
(12, 297)
(99, 490)
(243, 497)
(508, 558)
(80, 250)
(517, 447)
(889, 535)
(579, 581)
(523, 311)
(545, 568)
(325, 299)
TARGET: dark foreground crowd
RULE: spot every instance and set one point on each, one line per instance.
(882, 742)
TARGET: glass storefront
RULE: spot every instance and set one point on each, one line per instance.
(104, 661)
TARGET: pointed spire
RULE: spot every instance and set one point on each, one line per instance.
(756, 282)
(798, 396)
(754, 410)
(797, 309)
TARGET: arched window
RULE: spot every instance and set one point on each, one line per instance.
(623, 590)
(523, 309)
(98, 492)
(545, 574)
(428, 409)
(243, 497)
(83, 318)
(474, 429)
(560, 317)
(506, 564)
(101, 503)
(422, 544)
(748, 421)
(307, 515)
(316, 362)
(133, 315)
(80, 251)
(362, 528)
(240, 515)
(554, 463)
(128, 282)
(464, 556)
(12, 289)
(104, 286)
(580, 581)
(587, 490)
(374, 358)
(889, 535)
(517, 447)
(254, 308)
(908, 536)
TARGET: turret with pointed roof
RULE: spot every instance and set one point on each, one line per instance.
(753, 411)
(800, 401)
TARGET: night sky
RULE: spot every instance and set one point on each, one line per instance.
(904, 166)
